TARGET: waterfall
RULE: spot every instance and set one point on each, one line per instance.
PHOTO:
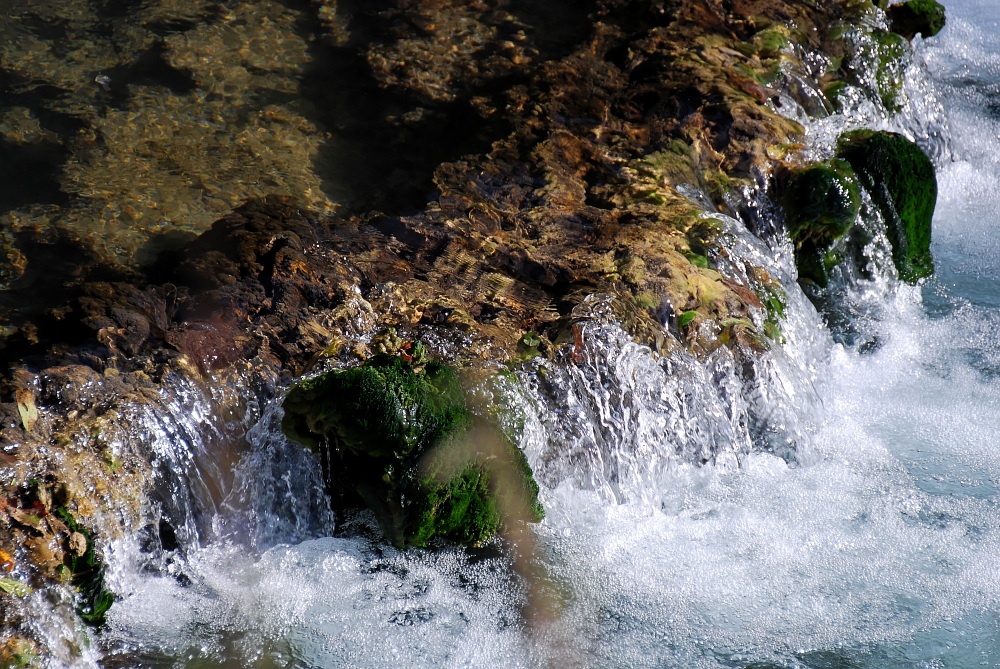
(831, 503)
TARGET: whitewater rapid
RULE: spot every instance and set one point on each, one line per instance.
(875, 547)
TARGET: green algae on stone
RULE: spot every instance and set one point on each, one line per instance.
(86, 571)
(833, 91)
(403, 442)
(822, 201)
(770, 41)
(870, 58)
(901, 181)
(821, 204)
(926, 17)
(889, 51)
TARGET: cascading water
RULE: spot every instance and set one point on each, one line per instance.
(846, 516)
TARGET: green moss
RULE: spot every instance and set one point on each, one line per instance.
(872, 59)
(926, 17)
(719, 184)
(774, 299)
(902, 184)
(834, 90)
(381, 408)
(860, 10)
(771, 41)
(468, 507)
(702, 236)
(402, 442)
(697, 259)
(822, 202)
(87, 574)
(891, 50)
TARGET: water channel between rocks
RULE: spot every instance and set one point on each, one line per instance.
(874, 547)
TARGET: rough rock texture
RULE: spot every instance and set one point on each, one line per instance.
(598, 144)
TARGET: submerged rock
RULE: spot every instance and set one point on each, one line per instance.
(925, 17)
(901, 180)
(401, 441)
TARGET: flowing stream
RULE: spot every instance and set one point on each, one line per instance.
(865, 534)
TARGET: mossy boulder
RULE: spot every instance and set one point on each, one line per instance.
(890, 51)
(900, 179)
(925, 17)
(821, 204)
(401, 441)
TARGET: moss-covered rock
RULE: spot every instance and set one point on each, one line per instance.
(86, 571)
(821, 204)
(869, 58)
(822, 201)
(402, 442)
(925, 17)
(889, 50)
(902, 184)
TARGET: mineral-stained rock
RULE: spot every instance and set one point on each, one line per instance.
(900, 178)
(398, 440)
(925, 17)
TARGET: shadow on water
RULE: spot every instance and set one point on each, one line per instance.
(149, 69)
(38, 308)
(387, 141)
(29, 173)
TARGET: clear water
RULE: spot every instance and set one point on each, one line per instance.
(876, 547)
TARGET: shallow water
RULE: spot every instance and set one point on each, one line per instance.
(873, 546)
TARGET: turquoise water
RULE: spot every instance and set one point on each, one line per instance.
(876, 547)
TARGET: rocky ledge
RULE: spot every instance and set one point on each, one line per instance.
(621, 132)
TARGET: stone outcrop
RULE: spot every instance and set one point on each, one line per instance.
(613, 144)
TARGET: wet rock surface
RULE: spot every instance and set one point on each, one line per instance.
(573, 151)
(821, 202)
(396, 435)
(901, 180)
(923, 17)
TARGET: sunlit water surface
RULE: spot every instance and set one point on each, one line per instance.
(877, 547)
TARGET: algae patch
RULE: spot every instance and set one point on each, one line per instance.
(821, 203)
(901, 180)
(402, 441)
